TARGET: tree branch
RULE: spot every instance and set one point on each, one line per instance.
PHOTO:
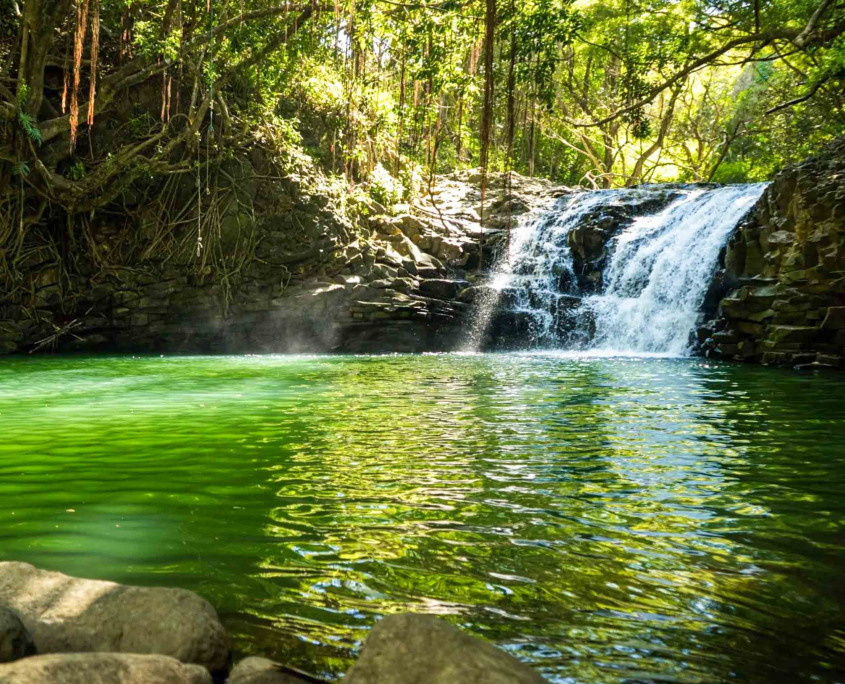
(807, 37)
(799, 100)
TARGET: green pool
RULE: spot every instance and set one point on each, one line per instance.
(605, 519)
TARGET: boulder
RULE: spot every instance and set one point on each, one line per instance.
(262, 671)
(406, 248)
(15, 641)
(102, 668)
(65, 614)
(419, 649)
(450, 250)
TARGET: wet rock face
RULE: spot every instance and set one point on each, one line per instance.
(590, 240)
(786, 269)
(322, 279)
(66, 614)
(15, 640)
(102, 668)
(419, 649)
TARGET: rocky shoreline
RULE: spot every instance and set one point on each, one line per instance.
(57, 629)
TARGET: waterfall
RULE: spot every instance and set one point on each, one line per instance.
(658, 247)
(539, 277)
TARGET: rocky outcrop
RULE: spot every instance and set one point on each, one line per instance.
(305, 270)
(65, 614)
(15, 640)
(783, 272)
(418, 649)
(102, 668)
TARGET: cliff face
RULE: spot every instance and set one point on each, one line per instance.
(784, 269)
(301, 268)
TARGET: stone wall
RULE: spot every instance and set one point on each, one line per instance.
(784, 272)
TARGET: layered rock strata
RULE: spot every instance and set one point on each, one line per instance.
(316, 280)
(784, 272)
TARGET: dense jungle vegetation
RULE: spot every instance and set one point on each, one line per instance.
(103, 103)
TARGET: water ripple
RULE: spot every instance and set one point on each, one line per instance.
(606, 519)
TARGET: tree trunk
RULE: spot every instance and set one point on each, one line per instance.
(487, 111)
(41, 18)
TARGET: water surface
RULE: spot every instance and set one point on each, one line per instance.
(605, 519)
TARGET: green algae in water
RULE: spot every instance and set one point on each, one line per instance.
(604, 519)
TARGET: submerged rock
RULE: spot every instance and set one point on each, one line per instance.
(102, 668)
(256, 670)
(66, 614)
(419, 649)
(15, 641)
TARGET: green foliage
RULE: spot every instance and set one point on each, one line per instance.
(20, 168)
(28, 125)
(385, 93)
(23, 94)
(77, 171)
(412, 180)
(140, 124)
(738, 171)
(148, 44)
(384, 188)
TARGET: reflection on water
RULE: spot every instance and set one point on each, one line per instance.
(605, 519)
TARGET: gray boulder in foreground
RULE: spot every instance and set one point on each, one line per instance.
(15, 641)
(255, 670)
(69, 615)
(102, 668)
(419, 649)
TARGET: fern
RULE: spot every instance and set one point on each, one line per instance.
(20, 169)
(28, 125)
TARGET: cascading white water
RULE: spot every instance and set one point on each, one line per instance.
(655, 278)
(660, 269)
(539, 272)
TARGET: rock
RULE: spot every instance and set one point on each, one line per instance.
(15, 641)
(780, 237)
(419, 649)
(261, 671)
(442, 288)
(728, 349)
(450, 250)
(789, 256)
(835, 318)
(812, 366)
(410, 225)
(722, 283)
(102, 668)
(755, 329)
(403, 245)
(775, 358)
(66, 614)
(792, 333)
